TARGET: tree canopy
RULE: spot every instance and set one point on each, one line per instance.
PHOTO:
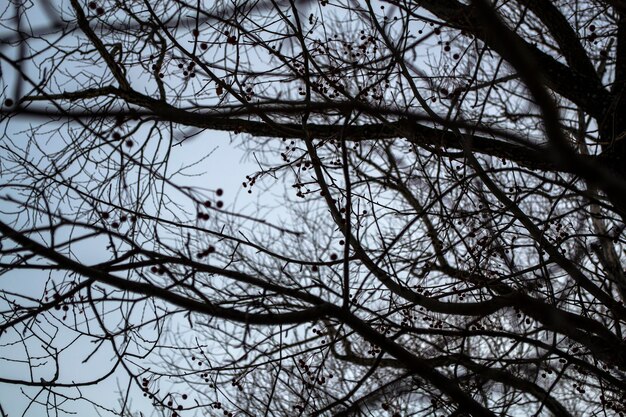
(427, 220)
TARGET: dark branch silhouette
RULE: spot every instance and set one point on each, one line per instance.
(431, 222)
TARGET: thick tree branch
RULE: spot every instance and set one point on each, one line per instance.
(583, 89)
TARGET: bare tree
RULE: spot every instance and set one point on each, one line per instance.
(435, 223)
